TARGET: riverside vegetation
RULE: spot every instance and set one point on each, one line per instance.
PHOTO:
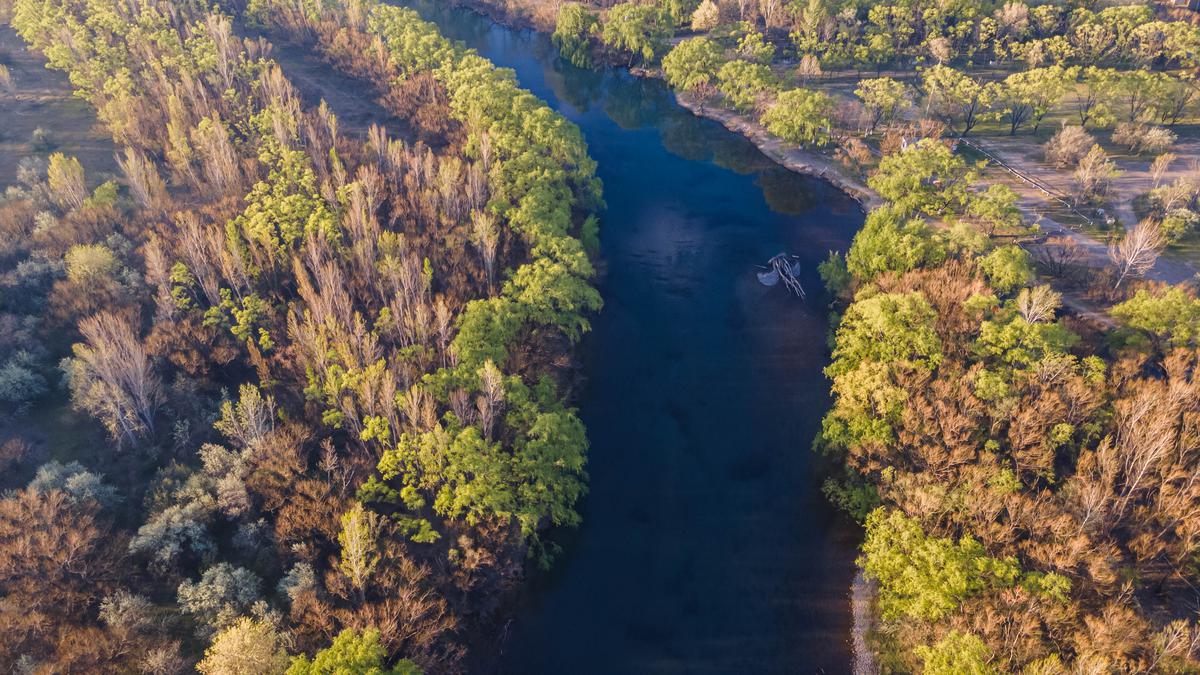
(334, 373)
(1026, 479)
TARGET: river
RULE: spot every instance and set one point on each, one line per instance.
(706, 545)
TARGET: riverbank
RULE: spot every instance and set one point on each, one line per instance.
(786, 155)
(789, 156)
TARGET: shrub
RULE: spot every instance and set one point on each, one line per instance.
(76, 481)
(19, 382)
(1143, 138)
(222, 594)
(1178, 223)
(1068, 146)
(706, 17)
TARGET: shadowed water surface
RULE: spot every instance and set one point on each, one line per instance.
(706, 545)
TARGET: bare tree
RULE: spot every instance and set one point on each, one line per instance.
(486, 236)
(1038, 304)
(1136, 253)
(491, 398)
(147, 188)
(1058, 256)
(111, 376)
(1160, 165)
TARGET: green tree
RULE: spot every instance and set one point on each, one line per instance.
(956, 654)
(641, 30)
(1030, 95)
(996, 208)
(883, 98)
(958, 99)
(743, 82)
(1168, 314)
(693, 64)
(801, 116)
(890, 329)
(1007, 268)
(926, 176)
(891, 241)
(924, 577)
(352, 653)
(574, 26)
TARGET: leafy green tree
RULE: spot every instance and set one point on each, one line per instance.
(924, 577)
(352, 653)
(891, 241)
(641, 30)
(1008, 268)
(1030, 95)
(1170, 314)
(996, 208)
(743, 82)
(679, 11)
(883, 98)
(958, 99)
(801, 116)
(926, 176)
(890, 329)
(574, 26)
(693, 64)
(956, 654)
(754, 47)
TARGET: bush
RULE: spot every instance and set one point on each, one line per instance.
(1144, 138)
(91, 263)
(706, 17)
(76, 481)
(1068, 146)
(19, 382)
(222, 594)
(1178, 223)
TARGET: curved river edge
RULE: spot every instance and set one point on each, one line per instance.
(787, 155)
(862, 592)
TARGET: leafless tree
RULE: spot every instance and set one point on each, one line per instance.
(1160, 165)
(113, 378)
(1136, 253)
(1058, 256)
(1038, 304)
(486, 237)
(147, 188)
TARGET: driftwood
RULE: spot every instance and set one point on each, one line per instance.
(785, 268)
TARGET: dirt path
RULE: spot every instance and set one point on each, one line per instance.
(1034, 205)
(42, 99)
(353, 101)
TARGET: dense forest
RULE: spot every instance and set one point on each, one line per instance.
(335, 372)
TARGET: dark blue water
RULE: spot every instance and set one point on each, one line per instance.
(706, 544)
